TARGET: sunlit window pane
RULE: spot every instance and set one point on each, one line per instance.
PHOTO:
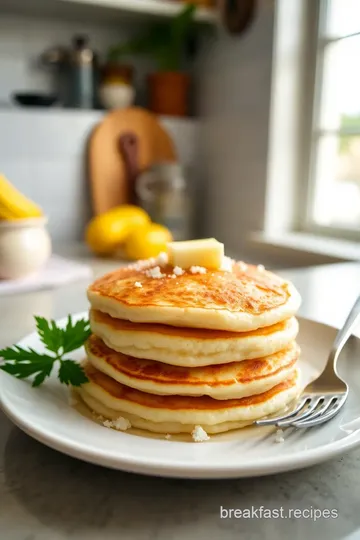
(340, 92)
(334, 200)
(343, 18)
(337, 190)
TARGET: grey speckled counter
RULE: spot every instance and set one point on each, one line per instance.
(45, 495)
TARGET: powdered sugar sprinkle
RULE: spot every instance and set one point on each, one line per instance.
(121, 424)
(178, 271)
(199, 434)
(154, 273)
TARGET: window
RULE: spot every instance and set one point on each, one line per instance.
(333, 202)
(333, 198)
(313, 175)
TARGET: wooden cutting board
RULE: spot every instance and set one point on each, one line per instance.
(106, 167)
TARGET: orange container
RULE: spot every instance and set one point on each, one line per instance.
(168, 93)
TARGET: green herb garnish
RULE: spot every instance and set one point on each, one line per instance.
(23, 363)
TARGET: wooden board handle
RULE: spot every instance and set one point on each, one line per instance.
(129, 149)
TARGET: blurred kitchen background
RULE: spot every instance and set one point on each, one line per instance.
(233, 119)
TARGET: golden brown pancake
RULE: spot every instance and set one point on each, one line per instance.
(233, 380)
(121, 325)
(242, 299)
(103, 413)
(183, 409)
(190, 347)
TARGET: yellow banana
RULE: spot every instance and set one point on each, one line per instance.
(14, 205)
(4, 213)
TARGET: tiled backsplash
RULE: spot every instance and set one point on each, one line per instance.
(43, 152)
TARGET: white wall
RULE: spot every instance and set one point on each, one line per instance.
(42, 151)
(24, 38)
(234, 95)
(44, 154)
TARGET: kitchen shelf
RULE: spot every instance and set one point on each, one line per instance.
(65, 115)
(162, 8)
(105, 9)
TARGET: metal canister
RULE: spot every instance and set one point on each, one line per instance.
(162, 191)
(81, 71)
(77, 69)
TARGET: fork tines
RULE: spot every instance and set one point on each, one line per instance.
(310, 411)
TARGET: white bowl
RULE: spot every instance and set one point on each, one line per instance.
(25, 246)
(116, 96)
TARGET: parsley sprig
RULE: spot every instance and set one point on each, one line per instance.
(23, 363)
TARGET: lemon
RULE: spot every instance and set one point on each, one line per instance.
(147, 241)
(106, 231)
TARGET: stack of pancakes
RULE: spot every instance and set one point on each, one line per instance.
(174, 349)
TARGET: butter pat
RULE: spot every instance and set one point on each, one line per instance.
(207, 253)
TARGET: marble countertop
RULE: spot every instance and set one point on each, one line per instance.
(45, 495)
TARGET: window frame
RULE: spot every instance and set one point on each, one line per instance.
(318, 41)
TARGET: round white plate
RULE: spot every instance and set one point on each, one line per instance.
(45, 414)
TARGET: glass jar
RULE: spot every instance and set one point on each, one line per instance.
(162, 191)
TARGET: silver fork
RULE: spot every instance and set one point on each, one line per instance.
(322, 399)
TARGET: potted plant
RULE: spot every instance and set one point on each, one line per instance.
(168, 87)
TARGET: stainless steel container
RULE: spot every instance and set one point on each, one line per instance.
(77, 69)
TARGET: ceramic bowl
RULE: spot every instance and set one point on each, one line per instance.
(116, 96)
(25, 246)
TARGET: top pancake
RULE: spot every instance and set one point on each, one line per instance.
(245, 298)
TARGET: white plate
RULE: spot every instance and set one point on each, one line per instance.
(45, 414)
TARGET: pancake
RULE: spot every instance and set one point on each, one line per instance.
(227, 381)
(191, 347)
(242, 299)
(193, 411)
(155, 427)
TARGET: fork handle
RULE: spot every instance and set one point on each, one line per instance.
(346, 331)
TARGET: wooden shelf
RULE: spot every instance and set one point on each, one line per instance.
(160, 8)
(104, 9)
(8, 110)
